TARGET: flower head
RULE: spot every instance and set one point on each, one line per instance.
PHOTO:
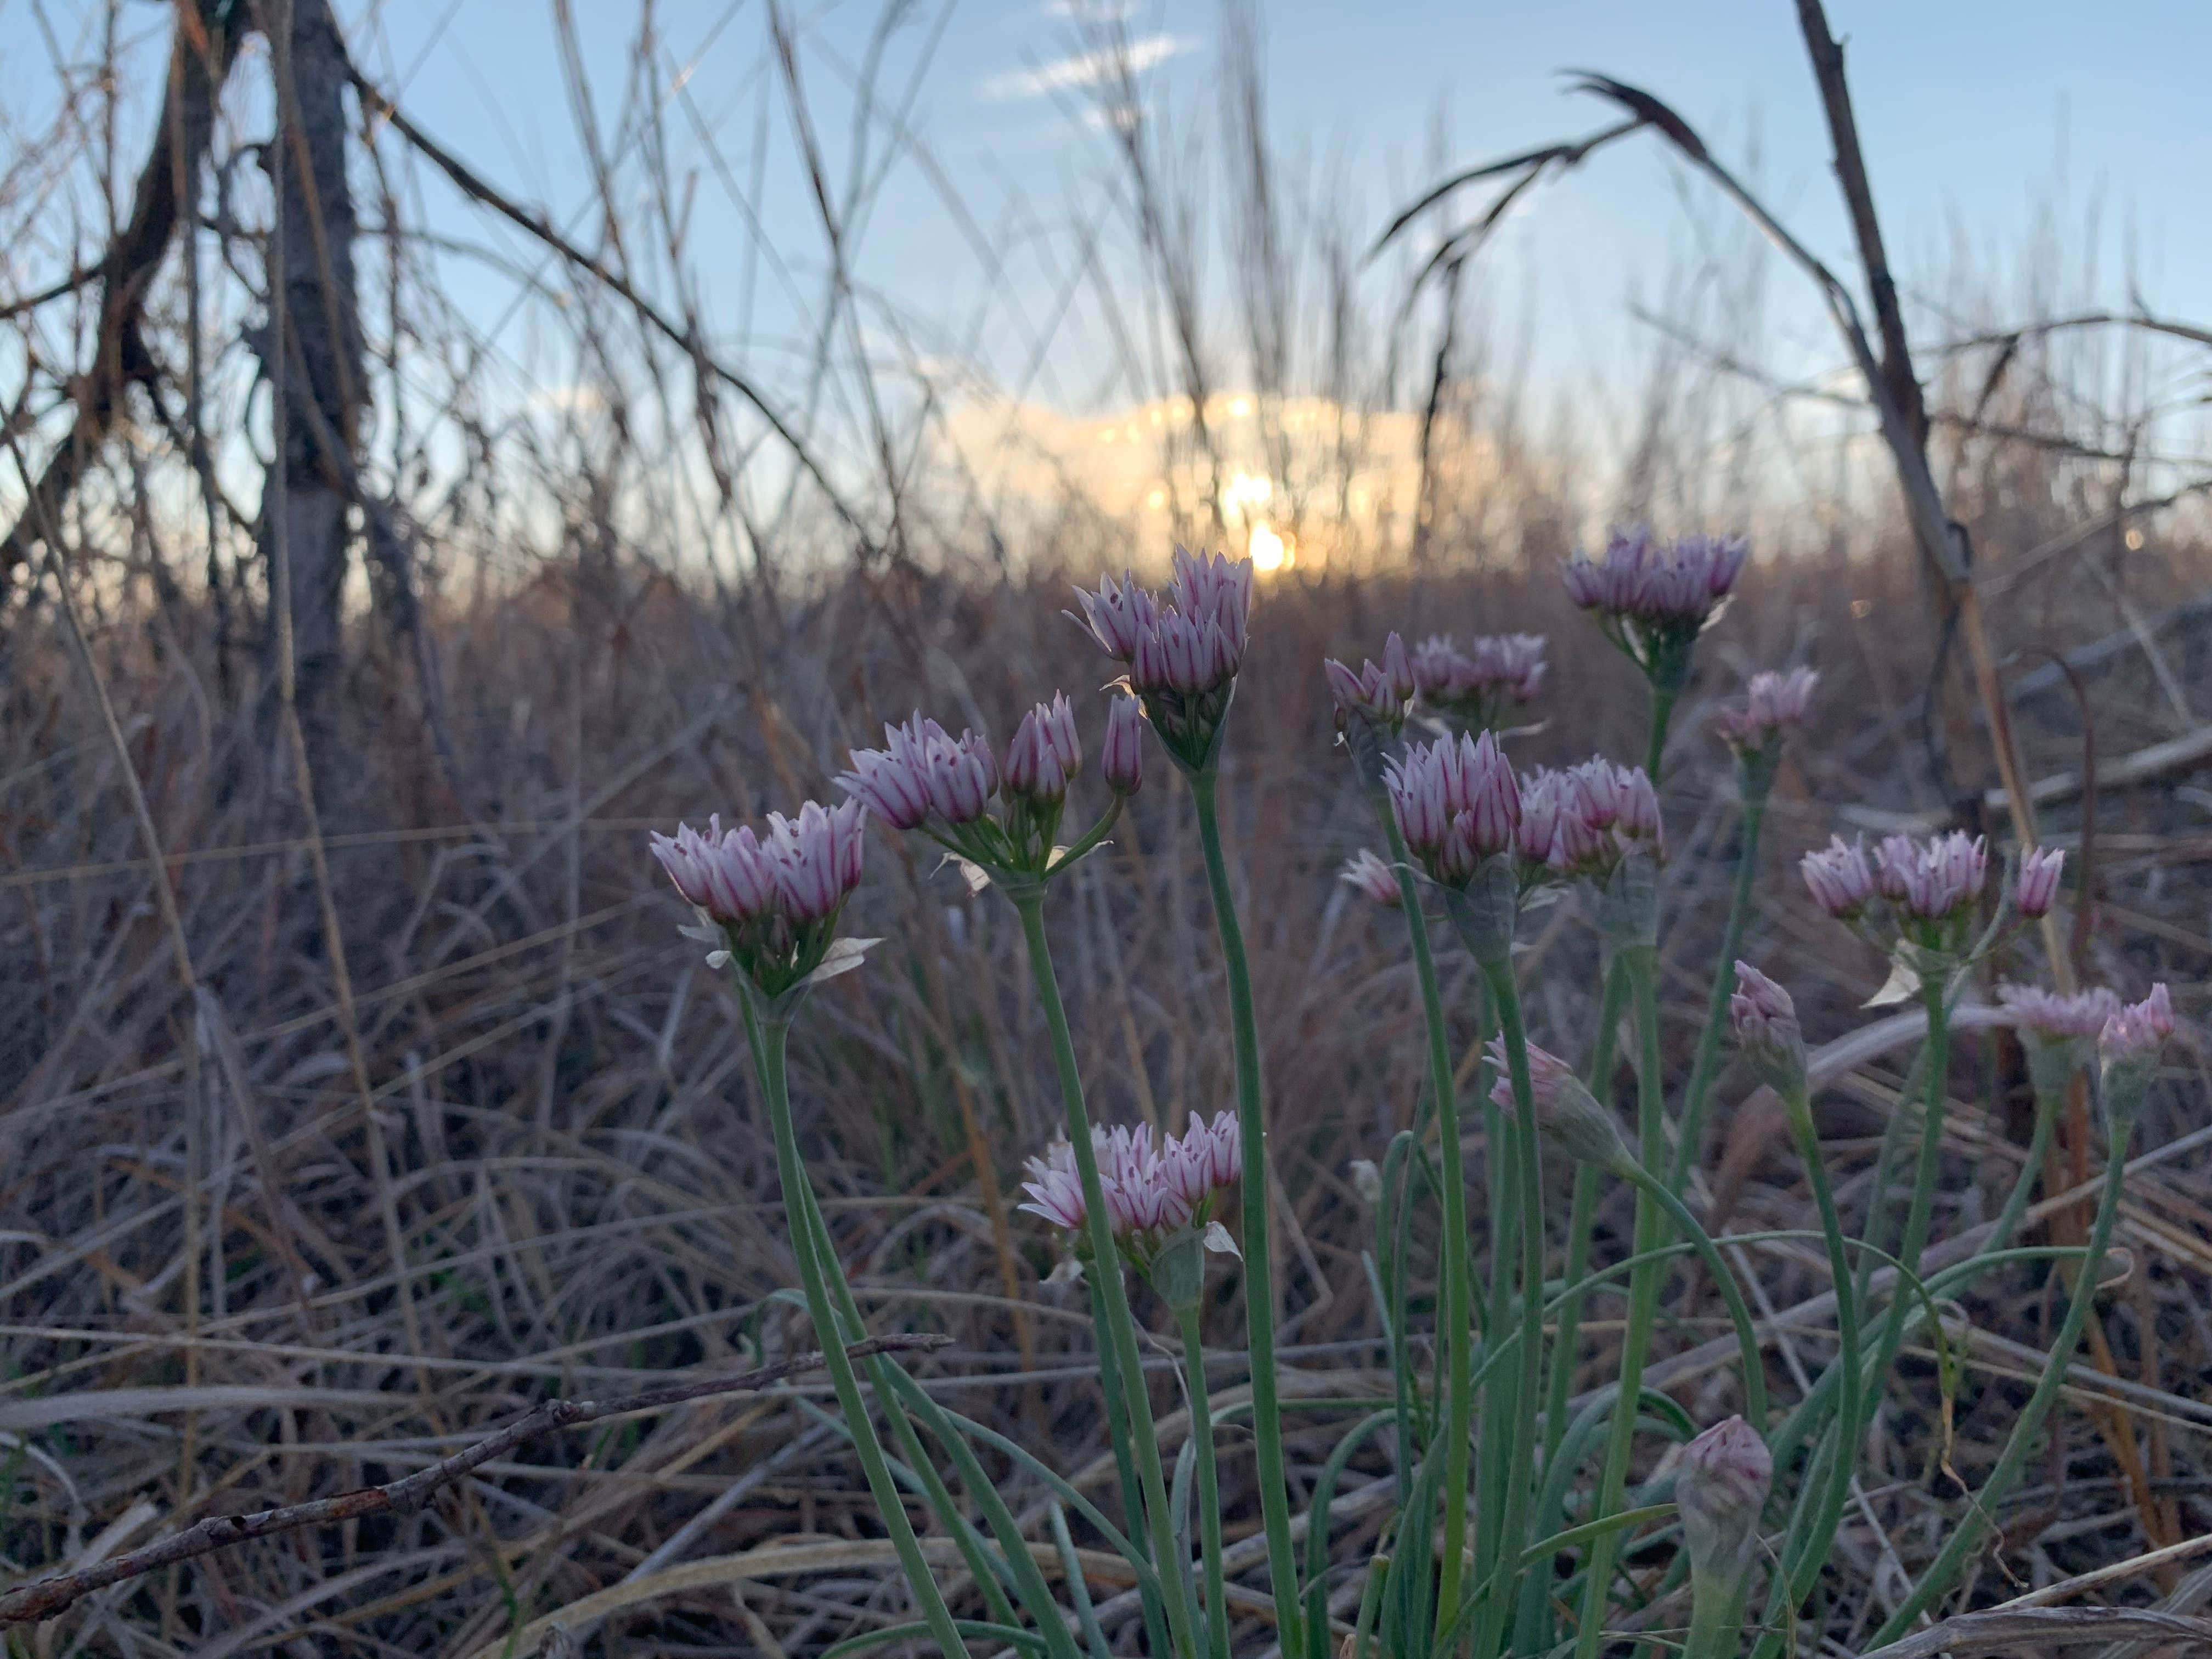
(2059, 1032)
(1839, 878)
(1478, 685)
(1654, 597)
(1721, 1487)
(2136, 1031)
(1182, 646)
(923, 778)
(1151, 1190)
(2036, 888)
(1370, 877)
(1377, 693)
(1773, 706)
(1457, 803)
(1767, 1030)
(771, 902)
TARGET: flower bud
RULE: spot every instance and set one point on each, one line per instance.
(2128, 1047)
(1380, 694)
(1370, 877)
(1721, 1487)
(1121, 756)
(1767, 1030)
(2036, 887)
(1034, 770)
(1567, 1114)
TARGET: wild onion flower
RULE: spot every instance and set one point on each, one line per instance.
(1932, 880)
(2128, 1047)
(1765, 1020)
(1380, 693)
(1773, 706)
(926, 778)
(1584, 821)
(1721, 1487)
(1457, 803)
(1370, 877)
(770, 903)
(1478, 687)
(2036, 887)
(1182, 646)
(1839, 878)
(1150, 1191)
(2059, 1032)
(1567, 1114)
(1653, 598)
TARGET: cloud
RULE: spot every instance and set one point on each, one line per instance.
(1087, 69)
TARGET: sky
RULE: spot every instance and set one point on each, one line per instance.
(1985, 122)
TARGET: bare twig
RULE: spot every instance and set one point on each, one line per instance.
(2046, 1628)
(43, 1598)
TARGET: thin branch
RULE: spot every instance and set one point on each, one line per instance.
(43, 1598)
(376, 105)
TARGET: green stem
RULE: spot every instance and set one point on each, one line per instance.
(1259, 1262)
(1582, 1217)
(1654, 750)
(1125, 1462)
(1715, 1619)
(1209, 1486)
(1119, 1328)
(1640, 963)
(1705, 1067)
(1747, 1332)
(769, 1042)
(2047, 1107)
(1973, 1526)
(1457, 1316)
(1527, 1395)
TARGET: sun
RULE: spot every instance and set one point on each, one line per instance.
(1269, 551)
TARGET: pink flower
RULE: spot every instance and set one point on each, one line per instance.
(1839, 878)
(817, 857)
(2037, 885)
(1370, 876)
(1045, 752)
(1456, 801)
(1932, 880)
(1121, 756)
(1193, 642)
(2133, 1035)
(2055, 1018)
(1380, 693)
(1643, 578)
(1773, 704)
(729, 876)
(1505, 664)
(1149, 1190)
(1567, 1114)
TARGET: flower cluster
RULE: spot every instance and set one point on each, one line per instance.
(1151, 1190)
(1457, 803)
(771, 902)
(1379, 694)
(927, 779)
(1583, 821)
(2059, 1032)
(1931, 889)
(1477, 686)
(1182, 648)
(1773, 706)
(1653, 598)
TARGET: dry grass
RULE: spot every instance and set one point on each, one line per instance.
(561, 1185)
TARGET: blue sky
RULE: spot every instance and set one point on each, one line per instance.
(1975, 116)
